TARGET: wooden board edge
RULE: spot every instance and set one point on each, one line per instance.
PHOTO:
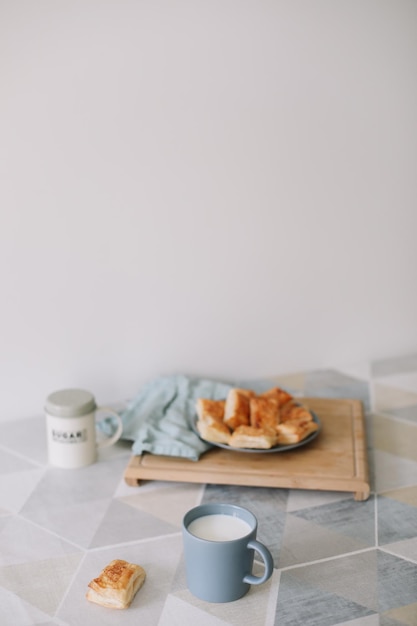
(135, 473)
(360, 441)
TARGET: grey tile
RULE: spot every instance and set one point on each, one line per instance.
(250, 497)
(305, 541)
(353, 577)
(397, 582)
(397, 521)
(300, 604)
(333, 384)
(346, 517)
(389, 621)
(400, 365)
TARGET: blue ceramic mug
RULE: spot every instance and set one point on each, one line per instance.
(219, 547)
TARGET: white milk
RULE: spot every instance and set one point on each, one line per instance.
(219, 527)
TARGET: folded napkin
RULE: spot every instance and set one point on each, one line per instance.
(158, 419)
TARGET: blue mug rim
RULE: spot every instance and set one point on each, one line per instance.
(224, 508)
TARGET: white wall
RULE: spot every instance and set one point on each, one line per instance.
(212, 187)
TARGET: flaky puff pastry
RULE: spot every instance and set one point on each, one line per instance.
(295, 430)
(237, 411)
(116, 585)
(250, 437)
(293, 411)
(264, 412)
(281, 396)
(210, 411)
(216, 432)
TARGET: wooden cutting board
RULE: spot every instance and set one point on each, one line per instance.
(335, 460)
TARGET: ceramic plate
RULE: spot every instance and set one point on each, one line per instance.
(278, 448)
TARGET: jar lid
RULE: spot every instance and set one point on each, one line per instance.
(70, 403)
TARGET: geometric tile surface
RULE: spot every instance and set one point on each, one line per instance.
(334, 384)
(392, 471)
(308, 604)
(396, 520)
(394, 366)
(337, 562)
(15, 610)
(49, 580)
(407, 413)
(395, 436)
(388, 398)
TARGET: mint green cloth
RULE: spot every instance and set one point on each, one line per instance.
(158, 419)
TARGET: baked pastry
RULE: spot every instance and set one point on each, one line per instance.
(292, 411)
(279, 394)
(216, 432)
(236, 410)
(264, 412)
(210, 410)
(250, 437)
(116, 585)
(295, 430)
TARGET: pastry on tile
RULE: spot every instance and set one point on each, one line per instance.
(215, 432)
(210, 410)
(116, 585)
(250, 437)
(236, 410)
(295, 430)
(264, 412)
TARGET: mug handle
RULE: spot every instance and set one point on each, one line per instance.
(268, 562)
(109, 441)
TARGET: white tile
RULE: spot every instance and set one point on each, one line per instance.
(41, 583)
(393, 472)
(178, 612)
(15, 611)
(17, 487)
(253, 606)
(169, 504)
(23, 542)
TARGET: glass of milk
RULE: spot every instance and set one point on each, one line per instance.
(219, 547)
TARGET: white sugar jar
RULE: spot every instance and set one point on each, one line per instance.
(71, 427)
